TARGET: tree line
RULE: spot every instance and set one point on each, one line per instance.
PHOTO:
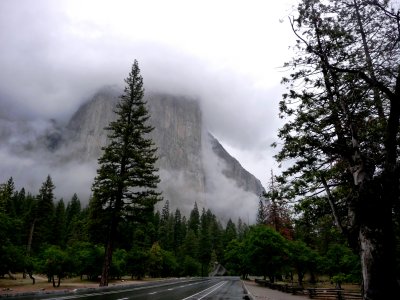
(42, 235)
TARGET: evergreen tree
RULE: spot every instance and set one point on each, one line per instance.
(60, 224)
(178, 231)
(242, 229)
(6, 197)
(194, 220)
(74, 220)
(42, 225)
(73, 209)
(261, 215)
(276, 211)
(230, 232)
(205, 245)
(126, 181)
(190, 245)
(166, 229)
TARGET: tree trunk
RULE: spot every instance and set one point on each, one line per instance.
(106, 264)
(109, 251)
(11, 275)
(377, 244)
(30, 238)
(31, 277)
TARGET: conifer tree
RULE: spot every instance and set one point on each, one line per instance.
(126, 181)
(6, 194)
(60, 225)
(261, 215)
(42, 226)
(205, 245)
(178, 231)
(194, 220)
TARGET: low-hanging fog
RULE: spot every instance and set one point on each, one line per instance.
(56, 55)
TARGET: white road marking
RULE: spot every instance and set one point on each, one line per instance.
(214, 288)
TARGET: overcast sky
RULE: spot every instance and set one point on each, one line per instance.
(55, 54)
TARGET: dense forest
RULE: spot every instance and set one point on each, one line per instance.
(42, 235)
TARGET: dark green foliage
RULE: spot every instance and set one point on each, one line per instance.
(236, 258)
(155, 260)
(7, 204)
(194, 220)
(243, 250)
(126, 181)
(44, 215)
(55, 262)
(86, 259)
(166, 229)
(179, 232)
(230, 232)
(261, 214)
(74, 220)
(137, 262)
(267, 251)
(169, 264)
(205, 243)
(191, 267)
(302, 259)
(11, 254)
(190, 244)
(60, 225)
(119, 264)
(341, 264)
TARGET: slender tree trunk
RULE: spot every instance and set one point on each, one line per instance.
(107, 263)
(31, 277)
(30, 238)
(28, 250)
(108, 252)
(11, 275)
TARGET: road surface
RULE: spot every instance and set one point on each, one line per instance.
(185, 289)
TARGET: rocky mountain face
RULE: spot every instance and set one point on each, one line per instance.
(193, 165)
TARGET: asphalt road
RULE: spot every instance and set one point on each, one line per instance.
(185, 289)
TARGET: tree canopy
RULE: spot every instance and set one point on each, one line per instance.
(342, 130)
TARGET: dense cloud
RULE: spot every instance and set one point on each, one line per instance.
(55, 55)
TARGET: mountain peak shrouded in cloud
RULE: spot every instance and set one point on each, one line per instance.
(193, 165)
(55, 55)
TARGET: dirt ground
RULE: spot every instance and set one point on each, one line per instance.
(21, 285)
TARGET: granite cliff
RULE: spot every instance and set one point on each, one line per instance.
(193, 165)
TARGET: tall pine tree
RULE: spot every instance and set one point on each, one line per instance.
(42, 225)
(126, 181)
